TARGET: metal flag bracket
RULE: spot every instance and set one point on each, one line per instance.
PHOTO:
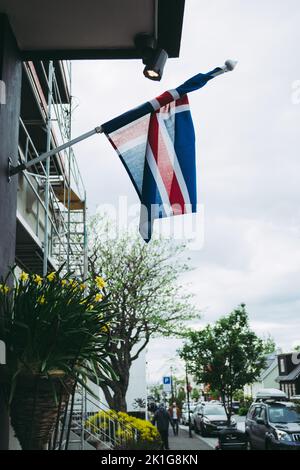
(14, 170)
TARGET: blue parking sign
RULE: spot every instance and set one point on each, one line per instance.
(167, 384)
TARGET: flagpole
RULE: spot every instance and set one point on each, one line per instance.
(14, 170)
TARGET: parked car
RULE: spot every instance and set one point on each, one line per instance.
(210, 418)
(185, 414)
(232, 439)
(273, 425)
(235, 406)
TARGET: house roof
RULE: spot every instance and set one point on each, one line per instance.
(271, 364)
(93, 29)
(290, 377)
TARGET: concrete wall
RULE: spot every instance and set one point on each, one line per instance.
(10, 78)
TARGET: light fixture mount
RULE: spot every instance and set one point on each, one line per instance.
(154, 57)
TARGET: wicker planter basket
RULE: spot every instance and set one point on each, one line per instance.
(34, 408)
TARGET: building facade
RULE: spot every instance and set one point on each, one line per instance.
(289, 374)
(267, 378)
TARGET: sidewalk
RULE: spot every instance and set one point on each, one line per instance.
(184, 442)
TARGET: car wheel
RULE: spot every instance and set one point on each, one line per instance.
(249, 443)
(203, 432)
(268, 445)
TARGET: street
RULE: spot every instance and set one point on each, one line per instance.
(184, 442)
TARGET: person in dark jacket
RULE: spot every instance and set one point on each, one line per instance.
(162, 419)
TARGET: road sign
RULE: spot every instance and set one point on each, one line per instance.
(167, 384)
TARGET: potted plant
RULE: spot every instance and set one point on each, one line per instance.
(56, 330)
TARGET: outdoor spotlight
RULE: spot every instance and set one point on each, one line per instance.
(154, 57)
(155, 67)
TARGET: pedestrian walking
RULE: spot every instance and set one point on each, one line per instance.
(175, 415)
(162, 420)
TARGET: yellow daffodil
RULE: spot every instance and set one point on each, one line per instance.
(90, 308)
(73, 283)
(4, 289)
(38, 279)
(100, 283)
(105, 329)
(98, 297)
(51, 276)
(64, 282)
(41, 300)
(24, 276)
(82, 286)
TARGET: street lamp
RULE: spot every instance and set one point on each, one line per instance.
(188, 399)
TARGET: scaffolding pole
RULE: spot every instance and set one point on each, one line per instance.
(47, 181)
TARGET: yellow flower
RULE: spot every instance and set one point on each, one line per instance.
(38, 279)
(51, 276)
(90, 308)
(73, 283)
(4, 289)
(64, 282)
(98, 297)
(82, 286)
(41, 299)
(105, 329)
(24, 276)
(100, 283)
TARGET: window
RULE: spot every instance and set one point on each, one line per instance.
(263, 414)
(256, 413)
(215, 411)
(282, 365)
(284, 414)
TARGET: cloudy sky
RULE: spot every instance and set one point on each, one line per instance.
(247, 128)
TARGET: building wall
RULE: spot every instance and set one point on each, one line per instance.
(267, 382)
(10, 76)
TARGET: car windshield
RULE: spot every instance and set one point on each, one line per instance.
(284, 414)
(214, 410)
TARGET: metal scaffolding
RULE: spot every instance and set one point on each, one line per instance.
(52, 196)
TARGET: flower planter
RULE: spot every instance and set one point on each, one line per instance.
(34, 408)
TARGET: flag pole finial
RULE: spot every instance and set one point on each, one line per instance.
(230, 65)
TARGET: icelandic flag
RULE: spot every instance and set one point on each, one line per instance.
(156, 143)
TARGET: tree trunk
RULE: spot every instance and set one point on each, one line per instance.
(115, 393)
(119, 400)
(227, 410)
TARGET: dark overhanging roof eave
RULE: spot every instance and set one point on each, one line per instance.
(170, 23)
(290, 377)
(81, 54)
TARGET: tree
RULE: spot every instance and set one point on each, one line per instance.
(227, 356)
(146, 298)
(156, 392)
(195, 395)
(270, 345)
(181, 396)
